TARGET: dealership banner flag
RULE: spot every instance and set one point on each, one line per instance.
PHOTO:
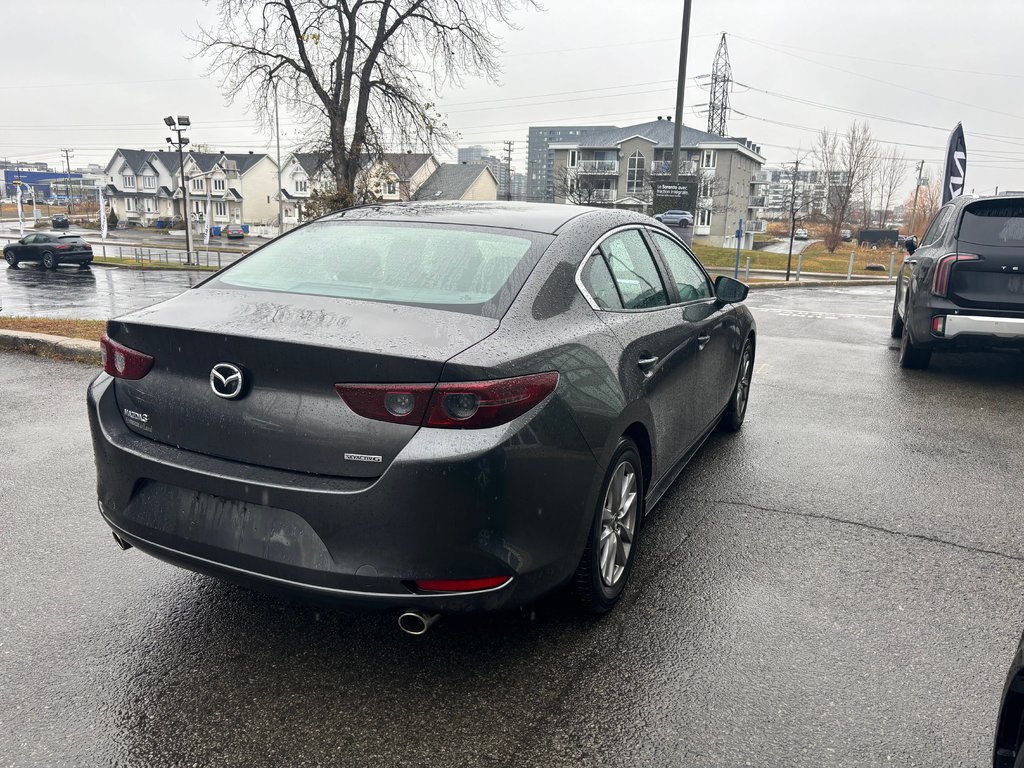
(206, 234)
(21, 214)
(956, 165)
(103, 215)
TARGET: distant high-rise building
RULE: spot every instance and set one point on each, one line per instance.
(473, 154)
(540, 161)
(518, 182)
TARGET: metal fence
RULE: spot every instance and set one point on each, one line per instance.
(145, 255)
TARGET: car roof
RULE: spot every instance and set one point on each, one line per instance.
(534, 217)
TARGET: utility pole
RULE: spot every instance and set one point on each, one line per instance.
(67, 178)
(277, 133)
(508, 169)
(917, 188)
(677, 129)
(180, 127)
(792, 218)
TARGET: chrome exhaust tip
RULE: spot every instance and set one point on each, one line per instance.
(124, 545)
(416, 623)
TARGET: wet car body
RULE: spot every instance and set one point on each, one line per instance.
(288, 488)
(1008, 749)
(50, 249)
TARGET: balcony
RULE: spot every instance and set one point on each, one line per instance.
(756, 202)
(603, 195)
(761, 177)
(701, 229)
(599, 167)
(755, 225)
(664, 168)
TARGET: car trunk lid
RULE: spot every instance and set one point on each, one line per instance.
(291, 350)
(993, 232)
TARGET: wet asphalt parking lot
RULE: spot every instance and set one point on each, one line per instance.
(840, 584)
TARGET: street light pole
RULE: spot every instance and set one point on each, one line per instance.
(277, 133)
(677, 133)
(180, 127)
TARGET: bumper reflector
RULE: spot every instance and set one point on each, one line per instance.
(460, 585)
(939, 325)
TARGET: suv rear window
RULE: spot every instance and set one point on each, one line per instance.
(464, 269)
(994, 222)
(73, 239)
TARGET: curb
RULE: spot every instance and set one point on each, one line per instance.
(45, 345)
(819, 283)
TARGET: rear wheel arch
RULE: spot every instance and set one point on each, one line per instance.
(638, 433)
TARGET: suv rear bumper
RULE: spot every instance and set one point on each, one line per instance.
(1001, 327)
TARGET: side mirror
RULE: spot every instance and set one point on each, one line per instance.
(910, 244)
(729, 291)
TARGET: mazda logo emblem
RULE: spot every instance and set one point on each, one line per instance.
(226, 380)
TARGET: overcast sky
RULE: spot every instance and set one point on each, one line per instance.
(93, 76)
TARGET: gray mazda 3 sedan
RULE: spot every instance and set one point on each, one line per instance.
(437, 407)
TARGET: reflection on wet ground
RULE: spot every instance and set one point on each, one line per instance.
(98, 293)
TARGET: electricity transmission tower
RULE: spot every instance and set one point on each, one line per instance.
(721, 80)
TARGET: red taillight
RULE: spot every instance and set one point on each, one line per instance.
(943, 268)
(450, 405)
(123, 363)
(398, 403)
(460, 585)
(64, 247)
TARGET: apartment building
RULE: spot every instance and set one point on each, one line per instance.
(621, 167)
(540, 158)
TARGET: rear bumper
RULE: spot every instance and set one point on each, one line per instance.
(1001, 327)
(512, 501)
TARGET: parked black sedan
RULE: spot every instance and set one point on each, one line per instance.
(1008, 751)
(49, 248)
(963, 287)
(60, 221)
(441, 407)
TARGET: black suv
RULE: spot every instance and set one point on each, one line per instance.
(963, 287)
(49, 248)
(60, 221)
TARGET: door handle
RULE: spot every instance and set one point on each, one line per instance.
(911, 261)
(647, 363)
(702, 341)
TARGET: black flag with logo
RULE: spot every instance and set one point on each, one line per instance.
(956, 165)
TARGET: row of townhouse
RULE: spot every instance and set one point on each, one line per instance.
(143, 187)
(621, 167)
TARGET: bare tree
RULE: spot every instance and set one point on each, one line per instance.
(922, 204)
(890, 170)
(846, 161)
(356, 70)
(575, 187)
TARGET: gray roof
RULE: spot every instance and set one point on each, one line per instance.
(137, 159)
(405, 164)
(659, 131)
(312, 162)
(451, 181)
(246, 160)
(205, 160)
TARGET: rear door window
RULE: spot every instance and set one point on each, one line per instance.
(994, 222)
(634, 271)
(599, 284)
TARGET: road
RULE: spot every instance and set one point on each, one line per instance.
(783, 247)
(840, 584)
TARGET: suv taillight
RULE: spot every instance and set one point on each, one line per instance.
(122, 362)
(943, 268)
(450, 405)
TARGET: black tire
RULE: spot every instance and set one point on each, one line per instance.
(896, 327)
(84, 264)
(49, 260)
(593, 593)
(11, 259)
(912, 356)
(736, 411)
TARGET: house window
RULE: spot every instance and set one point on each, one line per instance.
(303, 185)
(708, 159)
(147, 204)
(218, 185)
(391, 188)
(129, 203)
(128, 182)
(197, 185)
(221, 209)
(707, 186)
(197, 206)
(574, 157)
(704, 217)
(149, 182)
(635, 174)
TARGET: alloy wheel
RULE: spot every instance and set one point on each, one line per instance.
(618, 523)
(743, 385)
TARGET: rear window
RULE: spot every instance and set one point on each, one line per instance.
(73, 239)
(994, 222)
(462, 269)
